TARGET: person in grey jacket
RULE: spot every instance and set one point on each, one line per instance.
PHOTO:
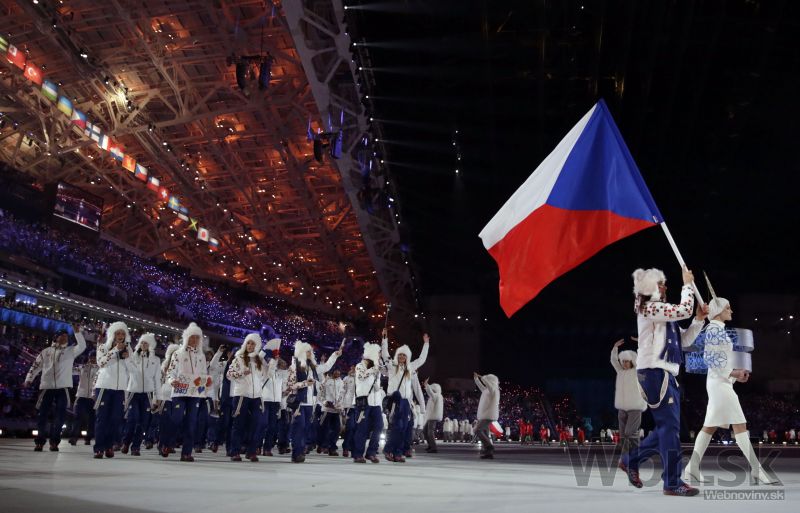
(488, 411)
(434, 411)
(628, 398)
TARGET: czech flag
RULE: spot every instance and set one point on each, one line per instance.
(78, 119)
(587, 194)
(141, 172)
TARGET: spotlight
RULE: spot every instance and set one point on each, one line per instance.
(106, 80)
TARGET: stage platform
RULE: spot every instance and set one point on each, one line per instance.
(519, 479)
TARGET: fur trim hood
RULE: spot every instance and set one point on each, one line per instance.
(403, 350)
(436, 388)
(171, 349)
(629, 356)
(300, 350)
(192, 329)
(255, 337)
(372, 352)
(112, 329)
(491, 381)
(645, 283)
(716, 306)
(151, 343)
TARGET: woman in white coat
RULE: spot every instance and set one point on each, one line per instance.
(488, 411)
(247, 373)
(434, 409)
(628, 398)
(144, 373)
(723, 408)
(112, 380)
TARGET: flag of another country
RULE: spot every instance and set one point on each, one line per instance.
(587, 194)
(213, 244)
(103, 141)
(153, 183)
(164, 193)
(64, 105)
(183, 217)
(116, 150)
(202, 234)
(141, 172)
(129, 163)
(49, 90)
(174, 204)
(16, 56)
(3, 44)
(33, 73)
(78, 119)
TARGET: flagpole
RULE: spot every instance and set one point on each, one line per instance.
(680, 258)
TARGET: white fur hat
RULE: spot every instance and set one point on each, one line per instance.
(645, 282)
(112, 329)
(192, 329)
(300, 350)
(716, 306)
(628, 356)
(403, 350)
(491, 381)
(255, 337)
(168, 356)
(372, 352)
(151, 342)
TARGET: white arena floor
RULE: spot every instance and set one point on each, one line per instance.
(520, 479)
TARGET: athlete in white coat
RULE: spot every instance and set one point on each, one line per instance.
(248, 372)
(433, 413)
(112, 380)
(628, 398)
(144, 382)
(54, 363)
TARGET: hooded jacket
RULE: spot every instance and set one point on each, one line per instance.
(113, 374)
(189, 367)
(55, 364)
(397, 371)
(435, 407)
(144, 368)
(627, 396)
(489, 403)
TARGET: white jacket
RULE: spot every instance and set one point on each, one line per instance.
(216, 368)
(368, 383)
(489, 404)
(447, 426)
(87, 375)
(144, 372)
(113, 373)
(275, 382)
(249, 385)
(397, 381)
(55, 364)
(652, 326)
(435, 407)
(189, 367)
(321, 369)
(334, 393)
(627, 395)
(349, 392)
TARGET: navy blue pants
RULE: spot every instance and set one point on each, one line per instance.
(369, 424)
(164, 421)
(184, 419)
(247, 425)
(284, 422)
(665, 438)
(222, 429)
(409, 435)
(55, 399)
(397, 428)
(313, 431)
(108, 418)
(271, 412)
(84, 418)
(301, 425)
(330, 427)
(349, 429)
(202, 423)
(137, 417)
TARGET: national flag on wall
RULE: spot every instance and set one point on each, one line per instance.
(116, 150)
(129, 163)
(164, 193)
(153, 183)
(16, 56)
(184, 210)
(3, 44)
(33, 73)
(193, 224)
(202, 234)
(78, 118)
(587, 194)
(213, 244)
(183, 217)
(103, 142)
(49, 90)
(174, 203)
(141, 172)
(64, 105)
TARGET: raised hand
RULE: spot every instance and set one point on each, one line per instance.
(426, 338)
(619, 342)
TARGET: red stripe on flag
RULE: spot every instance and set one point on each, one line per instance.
(550, 242)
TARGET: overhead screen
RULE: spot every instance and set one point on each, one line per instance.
(78, 206)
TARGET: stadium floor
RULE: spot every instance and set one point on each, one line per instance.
(521, 478)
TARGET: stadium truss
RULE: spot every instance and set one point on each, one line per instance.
(160, 77)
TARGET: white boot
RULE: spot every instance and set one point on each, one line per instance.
(757, 474)
(692, 471)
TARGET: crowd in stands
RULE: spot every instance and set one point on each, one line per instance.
(142, 285)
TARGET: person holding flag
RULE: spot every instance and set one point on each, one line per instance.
(661, 342)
